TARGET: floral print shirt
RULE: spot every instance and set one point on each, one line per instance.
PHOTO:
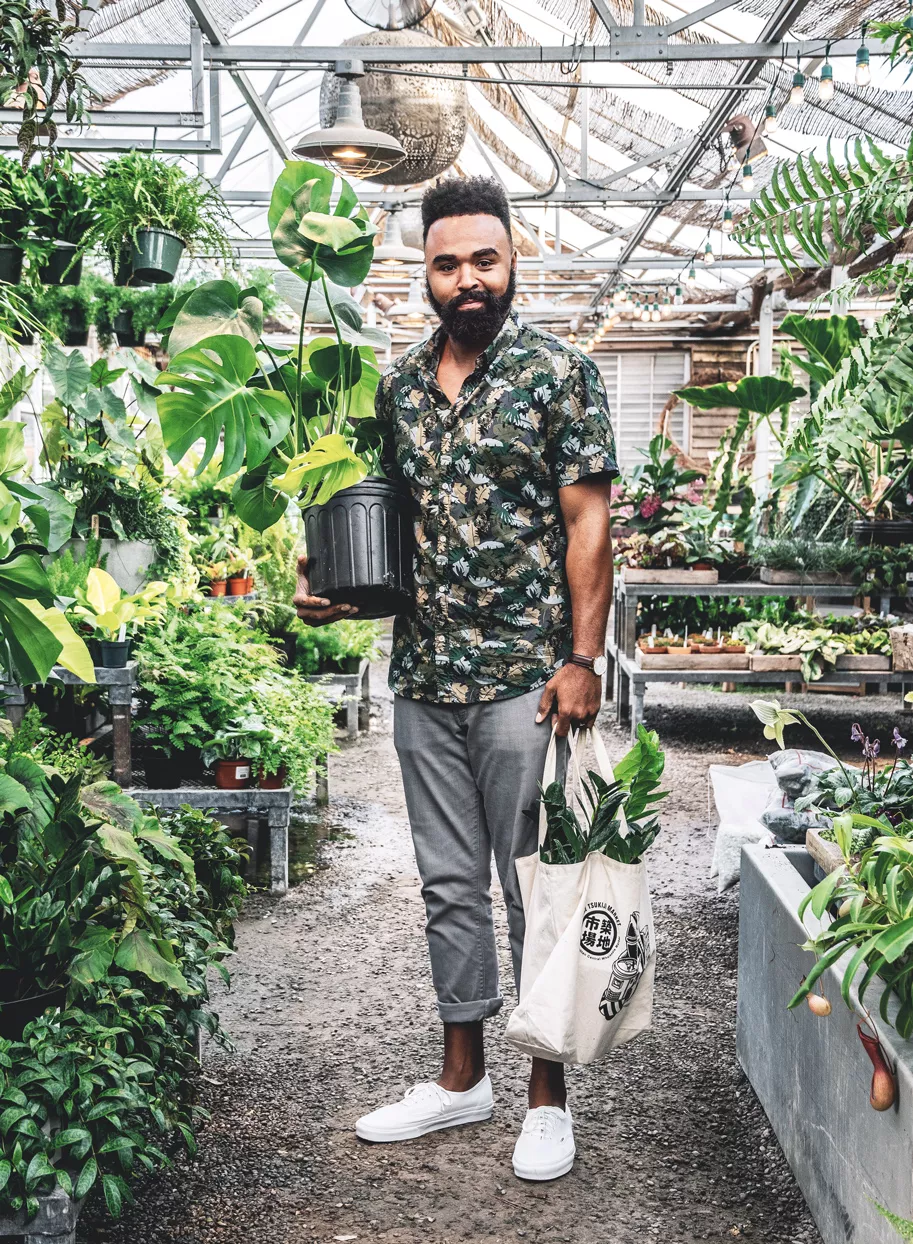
(492, 616)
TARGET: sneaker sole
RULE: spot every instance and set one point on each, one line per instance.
(542, 1174)
(379, 1136)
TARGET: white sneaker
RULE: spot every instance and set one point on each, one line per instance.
(545, 1148)
(426, 1108)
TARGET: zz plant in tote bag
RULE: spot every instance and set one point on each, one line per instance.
(589, 953)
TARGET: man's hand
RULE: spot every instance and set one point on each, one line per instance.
(314, 610)
(573, 697)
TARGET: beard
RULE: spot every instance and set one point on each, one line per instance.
(480, 326)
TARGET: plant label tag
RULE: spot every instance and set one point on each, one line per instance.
(242, 772)
(909, 576)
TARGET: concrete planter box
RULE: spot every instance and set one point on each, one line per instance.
(816, 577)
(697, 661)
(633, 574)
(776, 661)
(128, 560)
(868, 661)
(55, 1222)
(812, 1075)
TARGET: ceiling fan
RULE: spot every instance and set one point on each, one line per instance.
(391, 14)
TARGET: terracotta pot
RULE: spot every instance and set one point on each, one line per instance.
(733, 647)
(217, 587)
(237, 585)
(678, 652)
(273, 781)
(659, 651)
(232, 774)
(249, 581)
(710, 650)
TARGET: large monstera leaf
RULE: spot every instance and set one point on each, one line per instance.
(321, 300)
(321, 471)
(256, 501)
(212, 397)
(309, 238)
(214, 309)
(760, 394)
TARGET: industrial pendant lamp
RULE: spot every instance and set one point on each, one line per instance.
(728, 224)
(392, 252)
(826, 81)
(349, 146)
(708, 252)
(691, 278)
(414, 310)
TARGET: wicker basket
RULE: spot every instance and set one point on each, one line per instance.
(902, 647)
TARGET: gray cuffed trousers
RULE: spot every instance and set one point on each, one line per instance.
(471, 774)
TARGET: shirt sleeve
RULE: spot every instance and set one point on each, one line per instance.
(580, 438)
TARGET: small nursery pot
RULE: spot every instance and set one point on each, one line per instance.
(217, 587)
(273, 781)
(155, 256)
(232, 774)
(237, 585)
(658, 651)
(61, 268)
(710, 650)
(114, 653)
(249, 585)
(678, 652)
(126, 334)
(10, 264)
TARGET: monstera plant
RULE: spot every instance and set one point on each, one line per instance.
(295, 422)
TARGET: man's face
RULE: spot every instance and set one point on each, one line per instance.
(470, 265)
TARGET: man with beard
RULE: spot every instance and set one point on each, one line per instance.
(502, 433)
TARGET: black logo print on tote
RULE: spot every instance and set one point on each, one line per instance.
(627, 969)
(598, 930)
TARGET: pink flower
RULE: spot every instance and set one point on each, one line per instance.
(626, 511)
(649, 506)
(693, 496)
(617, 491)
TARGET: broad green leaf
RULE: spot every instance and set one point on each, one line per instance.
(73, 655)
(167, 847)
(215, 309)
(760, 394)
(23, 575)
(828, 341)
(301, 197)
(33, 645)
(70, 374)
(256, 502)
(333, 231)
(87, 1177)
(13, 796)
(323, 470)
(895, 940)
(823, 892)
(107, 801)
(13, 457)
(138, 953)
(95, 953)
(6, 890)
(213, 400)
(120, 844)
(49, 510)
(291, 288)
(13, 390)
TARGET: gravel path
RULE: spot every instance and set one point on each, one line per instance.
(332, 1012)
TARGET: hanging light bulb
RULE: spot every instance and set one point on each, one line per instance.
(826, 83)
(708, 253)
(622, 294)
(747, 177)
(678, 297)
(572, 338)
(691, 278)
(645, 314)
(637, 309)
(797, 94)
(727, 221)
(771, 124)
(666, 309)
(616, 320)
(863, 71)
(655, 313)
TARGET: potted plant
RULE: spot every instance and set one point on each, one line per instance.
(336, 649)
(114, 616)
(646, 498)
(309, 431)
(149, 212)
(217, 574)
(235, 750)
(18, 191)
(236, 574)
(128, 313)
(793, 559)
(62, 222)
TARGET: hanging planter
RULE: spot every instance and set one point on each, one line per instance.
(126, 334)
(890, 532)
(76, 327)
(151, 260)
(360, 548)
(63, 267)
(10, 264)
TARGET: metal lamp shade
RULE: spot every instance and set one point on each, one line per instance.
(393, 252)
(391, 14)
(349, 146)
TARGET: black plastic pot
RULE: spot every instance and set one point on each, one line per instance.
(153, 260)
(360, 548)
(10, 264)
(114, 653)
(61, 268)
(125, 332)
(891, 532)
(76, 332)
(15, 1015)
(167, 772)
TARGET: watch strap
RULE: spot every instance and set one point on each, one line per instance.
(577, 659)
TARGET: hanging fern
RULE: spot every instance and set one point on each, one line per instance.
(829, 206)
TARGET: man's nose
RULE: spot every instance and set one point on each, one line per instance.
(468, 278)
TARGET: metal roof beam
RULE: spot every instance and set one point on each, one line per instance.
(577, 194)
(699, 15)
(95, 54)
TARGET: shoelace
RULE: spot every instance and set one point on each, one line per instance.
(431, 1092)
(545, 1122)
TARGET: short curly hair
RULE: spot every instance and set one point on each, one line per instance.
(465, 196)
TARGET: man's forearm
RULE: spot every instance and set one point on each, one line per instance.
(589, 575)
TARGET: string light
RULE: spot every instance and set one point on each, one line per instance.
(771, 124)
(747, 177)
(708, 253)
(655, 315)
(645, 314)
(678, 298)
(826, 83)
(863, 71)
(691, 278)
(797, 94)
(622, 294)
(727, 225)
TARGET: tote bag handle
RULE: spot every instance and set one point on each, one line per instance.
(551, 768)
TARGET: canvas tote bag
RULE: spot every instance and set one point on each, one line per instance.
(589, 954)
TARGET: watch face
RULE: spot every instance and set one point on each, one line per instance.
(599, 666)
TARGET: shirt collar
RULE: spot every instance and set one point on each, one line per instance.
(430, 352)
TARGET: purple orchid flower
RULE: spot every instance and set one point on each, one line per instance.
(899, 741)
(856, 735)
